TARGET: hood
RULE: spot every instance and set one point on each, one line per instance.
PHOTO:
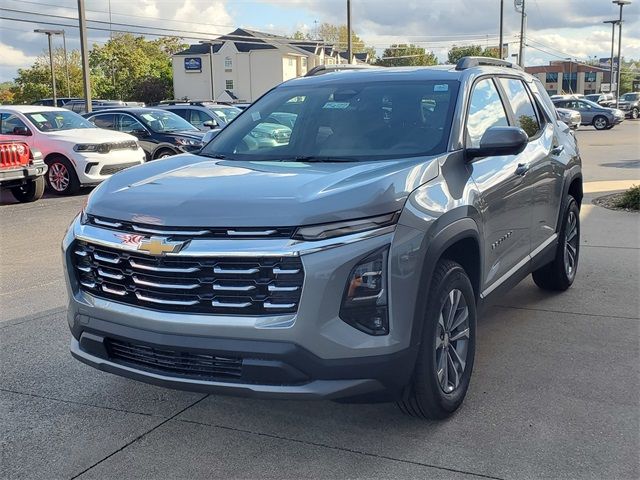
(90, 135)
(193, 134)
(187, 190)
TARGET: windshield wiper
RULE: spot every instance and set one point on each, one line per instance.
(217, 156)
(317, 159)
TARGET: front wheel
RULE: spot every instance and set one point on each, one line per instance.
(445, 361)
(561, 272)
(30, 191)
(61, 176)
(634, 113)
(600, 122)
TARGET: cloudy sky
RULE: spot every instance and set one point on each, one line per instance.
(556, 28)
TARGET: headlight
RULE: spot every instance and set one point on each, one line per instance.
(188, 142)
(364, 303)
(331, 230)
(91, 147)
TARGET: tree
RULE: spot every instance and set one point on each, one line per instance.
(127, 65)
(403, 55)
(627, 76)
(456, 53)
(337, 35)
(298, 35)
(6, 95)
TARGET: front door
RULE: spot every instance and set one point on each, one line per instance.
(505, 198)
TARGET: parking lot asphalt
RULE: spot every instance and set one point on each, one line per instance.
(555, 391)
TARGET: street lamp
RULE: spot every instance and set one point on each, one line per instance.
(613, 37)
(570, 66)
(621, 3)
(49, 33)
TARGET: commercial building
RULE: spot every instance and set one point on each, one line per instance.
(563, 77)
(244, 64)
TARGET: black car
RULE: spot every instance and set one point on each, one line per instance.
(160, 132)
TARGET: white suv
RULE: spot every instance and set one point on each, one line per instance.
(76, 152)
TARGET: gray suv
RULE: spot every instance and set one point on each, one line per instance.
(348, 261)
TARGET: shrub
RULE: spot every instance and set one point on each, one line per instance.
(630, 199)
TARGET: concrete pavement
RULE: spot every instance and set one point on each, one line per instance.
(555, 391)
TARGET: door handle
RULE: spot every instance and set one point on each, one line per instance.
(557, 150)
(522, 169)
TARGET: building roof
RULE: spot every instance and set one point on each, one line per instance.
(200, 49)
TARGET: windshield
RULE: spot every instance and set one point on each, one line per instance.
(57, 120)
(593, 98)
(226, 113)
(631, 97)
(342, 122)
(163, 121)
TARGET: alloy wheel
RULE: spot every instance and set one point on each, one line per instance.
(600, 123)
(452, 341)
(634, 113)
(571, 245)
(59, 177)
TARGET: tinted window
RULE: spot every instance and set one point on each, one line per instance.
(181, 112)
(104, 121)
(198, 118)
(522, 105)
(343, 122)
(129, 124)
(485, 111)
(9, 122)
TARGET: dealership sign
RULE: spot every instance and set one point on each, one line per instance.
(193, 64)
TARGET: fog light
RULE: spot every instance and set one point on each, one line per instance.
(364, 303)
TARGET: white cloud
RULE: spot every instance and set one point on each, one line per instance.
(13, 57)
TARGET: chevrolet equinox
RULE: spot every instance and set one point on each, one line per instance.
(346, 259)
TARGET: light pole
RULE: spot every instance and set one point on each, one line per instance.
(523, 17)
(49, 33)
(613, 39)
(84, 52)
(621, 3)
(205, 42)
(501, 27)
(349, 31)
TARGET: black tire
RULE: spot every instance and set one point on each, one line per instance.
(424, 397)
(61, 176)
(164, 153)
(600, 122)
(557, 276)
(30, 191)
(635, 113)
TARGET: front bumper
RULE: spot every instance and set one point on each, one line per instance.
(309, 354)
(16, 176)
(92, 168)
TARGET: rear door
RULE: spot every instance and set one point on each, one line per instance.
(542, 169)
(505, 197)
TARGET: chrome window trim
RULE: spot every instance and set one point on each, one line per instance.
(275, 247)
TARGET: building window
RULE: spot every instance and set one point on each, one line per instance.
(228, 84)
(304, 61)
(589, 76)
(552, 77)
(291, 62)
(570, 82)
(228, 63)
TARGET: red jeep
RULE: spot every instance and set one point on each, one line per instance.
(22, 171)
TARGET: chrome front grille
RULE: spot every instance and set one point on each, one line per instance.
(190, 232)
(224, 286)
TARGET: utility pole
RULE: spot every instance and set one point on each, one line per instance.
(621, 3)
(66, 63)
(523, 17)
(49, 33)
(348, 31)
(501, 28)
(613, 40)
(85, 55)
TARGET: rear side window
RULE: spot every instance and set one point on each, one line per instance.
(104, 121)
(485, 111)
(522, 105)
(10, 123)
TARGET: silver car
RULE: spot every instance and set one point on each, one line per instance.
(348, 260)
(571, 117)
(602, 118)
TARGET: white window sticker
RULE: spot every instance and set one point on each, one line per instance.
(38, 117)
(441, 88)
(336, 105)
(148, 117)
(255, 116)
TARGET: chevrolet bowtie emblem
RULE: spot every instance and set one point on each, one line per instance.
(159, 246)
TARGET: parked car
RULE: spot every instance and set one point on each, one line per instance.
(630, 104)
(75, 151)
(21, 169)
(602, 118)
(60, 101)
(161, 133)
(203, 115)
(348, 262)
(571, 117)
(602, 99)
(80, 106)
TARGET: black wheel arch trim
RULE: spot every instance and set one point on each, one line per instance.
(575, 173)
(164, 146)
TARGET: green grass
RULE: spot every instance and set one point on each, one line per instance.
(630, 199)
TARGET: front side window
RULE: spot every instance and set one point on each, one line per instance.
(522, 105)
(485, 111)
(57, 120)
(164, 121)
(198, 118)
(10, 124)
(105, 120)
(226, 113)
(343, 122)
(128, 124)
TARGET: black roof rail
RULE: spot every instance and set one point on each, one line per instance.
(469, 62)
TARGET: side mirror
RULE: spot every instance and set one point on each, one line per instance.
(22, 131)
(210, 135)
(210, 124)
(498, 141)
